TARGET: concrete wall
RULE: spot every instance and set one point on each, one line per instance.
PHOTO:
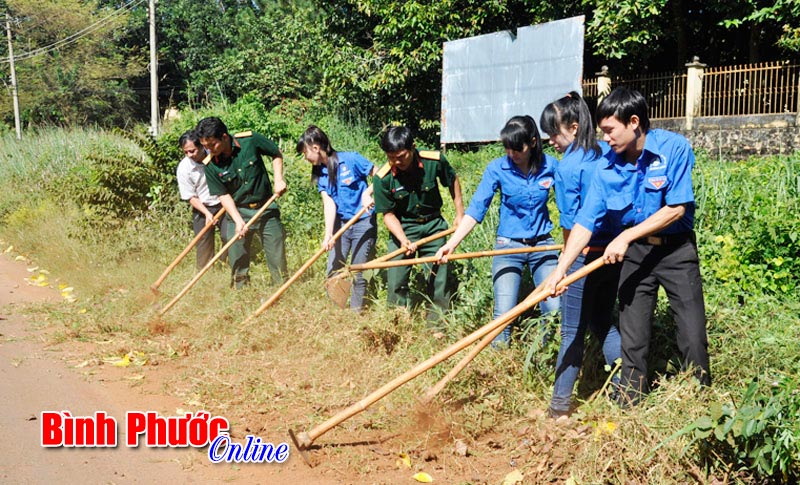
(736, 137)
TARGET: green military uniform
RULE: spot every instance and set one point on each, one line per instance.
(414, 198)
(244, 177)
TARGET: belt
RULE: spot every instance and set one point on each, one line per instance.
(667, 239)
(532, 240)
(422, 219)
(593, 249)
(254, 205)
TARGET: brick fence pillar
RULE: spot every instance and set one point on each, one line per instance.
(694, 90)
(603, 83)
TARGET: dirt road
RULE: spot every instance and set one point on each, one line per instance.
(36, 376)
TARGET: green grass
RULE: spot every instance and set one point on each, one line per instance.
(269, 371)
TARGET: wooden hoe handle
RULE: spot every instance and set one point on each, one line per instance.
(303, 268)
(421, 242)
(186, 250)
(304, 439)
(451, 257)
(217, 256)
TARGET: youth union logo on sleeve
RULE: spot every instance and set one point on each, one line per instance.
(546, 183)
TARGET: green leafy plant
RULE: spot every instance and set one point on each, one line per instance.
(761, 433)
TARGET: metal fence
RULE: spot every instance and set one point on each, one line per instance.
(764, 88)
(665, 93)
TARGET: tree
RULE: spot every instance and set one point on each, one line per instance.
(784, 15)
(70, 69)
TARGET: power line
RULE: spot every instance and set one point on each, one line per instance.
(71, 39)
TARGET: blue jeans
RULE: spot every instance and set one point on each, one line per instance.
(587, 304)
(507, 274)
(360, 240)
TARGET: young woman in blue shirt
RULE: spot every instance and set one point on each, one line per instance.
(342, 180)
(589, 302)
(523, 176)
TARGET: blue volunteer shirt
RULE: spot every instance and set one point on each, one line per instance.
(630, 193)
(351, 181)
(523, 198)
(573, 178)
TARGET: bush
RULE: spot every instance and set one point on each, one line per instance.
(760, 433)
(748, 224)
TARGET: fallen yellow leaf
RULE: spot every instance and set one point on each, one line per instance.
(610, 427)
(125, 361)
(513, 478)
(403, 460)
(19, 258)
(422, 477)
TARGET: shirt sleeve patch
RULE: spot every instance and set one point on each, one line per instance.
(657, 182)
(546, 183)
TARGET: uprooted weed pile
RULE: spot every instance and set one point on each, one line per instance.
(66, 203)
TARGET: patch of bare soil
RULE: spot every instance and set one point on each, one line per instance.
(36, 376)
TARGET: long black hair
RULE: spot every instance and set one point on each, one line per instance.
(520, 131)
(315, 136)
(566, 111)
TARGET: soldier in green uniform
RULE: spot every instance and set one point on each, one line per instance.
(236, 173)
(407, 195)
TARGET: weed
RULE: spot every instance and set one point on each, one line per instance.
(304, 359)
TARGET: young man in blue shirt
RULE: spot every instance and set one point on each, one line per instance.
(646, 185)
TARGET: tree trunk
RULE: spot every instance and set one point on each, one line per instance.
(679, 22)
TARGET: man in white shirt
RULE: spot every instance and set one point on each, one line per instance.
(193, 188)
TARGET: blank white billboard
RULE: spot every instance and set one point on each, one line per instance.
(490, 78)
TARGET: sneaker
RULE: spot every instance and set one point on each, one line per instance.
(557, 413)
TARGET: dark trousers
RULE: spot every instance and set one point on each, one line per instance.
(677, 269)
(273, 240)
(437, 275)
(205, 246)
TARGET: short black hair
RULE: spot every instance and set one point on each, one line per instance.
(211, 127)
(622, 103)
(397, 138)
(189, 136)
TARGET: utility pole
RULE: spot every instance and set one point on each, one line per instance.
(154, 115)
(13, 78)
